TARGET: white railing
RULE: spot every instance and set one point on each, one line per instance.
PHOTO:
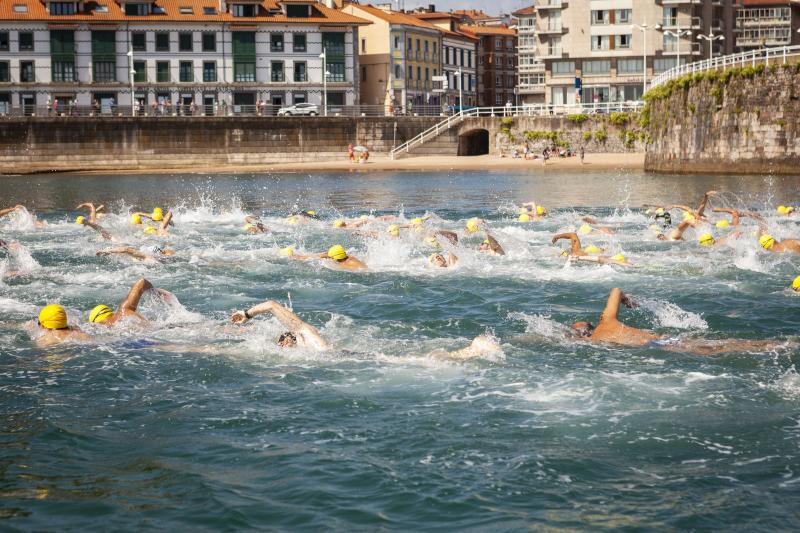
(531, 110)
(751, 58)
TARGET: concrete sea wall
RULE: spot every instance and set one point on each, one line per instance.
(42, 144)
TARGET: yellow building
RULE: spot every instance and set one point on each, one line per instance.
(399, 55)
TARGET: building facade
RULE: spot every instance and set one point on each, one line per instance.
(399, 56)
(497, 64)
(530, 70)
(196, 54)
(762, 23)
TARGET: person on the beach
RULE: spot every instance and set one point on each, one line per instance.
(351, 155)
(52, 322)
(102, 314)
(336, 254)
(610, 330)
(583, 153)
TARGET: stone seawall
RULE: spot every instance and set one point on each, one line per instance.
(738, 121)
(39, 144)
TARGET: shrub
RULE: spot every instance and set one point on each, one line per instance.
(691, 108)
(507, 121)
(587, 136)
(601, 135)
(579, 118)
(619, 119)
(630, 139)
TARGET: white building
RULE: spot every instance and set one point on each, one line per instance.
(201, 54)
(530, 83)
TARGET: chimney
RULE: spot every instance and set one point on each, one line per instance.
(330, 4)
(431, 8)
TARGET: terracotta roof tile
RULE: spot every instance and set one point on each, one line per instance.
(530, 10)
(395, 17)
(488, 30)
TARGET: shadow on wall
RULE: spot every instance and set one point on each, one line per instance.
(474, 142)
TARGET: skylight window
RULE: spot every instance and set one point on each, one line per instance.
(186, 11)
(101, 9)
(209, 11)
(20, 8)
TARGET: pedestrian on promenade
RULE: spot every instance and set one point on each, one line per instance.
(351, 155)
(583, 153)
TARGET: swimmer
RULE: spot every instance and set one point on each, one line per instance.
(691, 215)
(707, 239)
(416, 223)
(769, 244)
(139, 255)
(736, 216)
(53, 323)
(591, 227)
(796, 284)
(677, 233)
(156, 216)
(474, 225)
(13, 249)
(99, 229)
(93, 211)
(163, 229)
(619, 259)
(576, 250)
(298, 333)
(342, 223)
(442, 260)
(479, 347)
(302, 217)
(253, 225)
(786, 210)
(537, 211)
(102, 314)
(450, 236)
(610, 330)
(22, 211)
(490, 245)
(337, 254)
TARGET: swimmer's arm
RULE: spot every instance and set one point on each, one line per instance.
(288, 319)
(678, 233)
(494, 245)
(704, 202)
(143, 215)
(251, 219)
(134, 295)
(92, 210)
(615, 298)
(4, 212)
(358, 223)
(125, 251)
(167, 220)
(451, 236)
(576, 242)
(589, 220)
(103, 233)
(732, 212)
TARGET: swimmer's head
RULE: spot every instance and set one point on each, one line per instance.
(485, 246)
(287, 251)
(287, 340)
(417, 221)
(660, 211)
(619, 257)
(291, 219)
(337, 253)
(80, 219)
(722, 224)
(53, 316)
(438, 260)
(766, 241)
(248, 227)
(150, 230)
(782, 210)
(796, 284)
(158, 214)
(432, 241)
(523, 210)
(585, 229)
(706, 239)
(339, 223)
(688, 217)
(541, 211)
(583, 329)
(136, 219)
(393, 230)
(525, 217)
(592, 249)
(311, 213)
(100, 313)
(473, 225)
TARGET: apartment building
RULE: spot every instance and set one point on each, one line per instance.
(594, 50)
(761, 23)
(497, 64)
(459, 58)
(202, 52)
(530, 70)
(399, 55)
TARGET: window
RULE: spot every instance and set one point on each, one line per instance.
(185, 42)
(461, 57)
(629, 66)
(244, 56)
(670, 43)
(4, 41)
(297, 11)
(162, 71)
(209, 71)
(498, 99)
(622, 42)
(20, 8)
(498, 80)
(63, 71)
(509, 44)
(427, 74)
(186, 10)
(277, 71)
(104, 56)
(139, 41)
(662, 64)
(600, 17)
(140, 74)
(62, 8)
(300, 73)
(410, 73)
(243, 10)
(670, 16)
(512, 80)
(299, 42)
(622, 16)
(363, 74)
(597, 67)
(469, 58)
(510, 61)
(337, 72)
(498, 44)
(410, 47)
(136, 10)
(5, 75)
(398, 72)
(418, 48)
(105, 71)
(419, 73)
(162, 42)
(159, 10)
(100, 9)
(600, 42)
(186, 71)
(244, 71)
(426, 47)
(363, 45)
(563, 68)
(25, 41)
(299, 98)
(209, 42)
(26, 72)
(396, 42)
(209, 10)
(276, 42)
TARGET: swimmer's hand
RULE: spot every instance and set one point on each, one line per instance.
(3, 243)
(165, 295)
(627, 302)
(239, 317)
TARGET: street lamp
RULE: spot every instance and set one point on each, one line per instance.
(460, 91)
(131, 73)
(643, 28)
(324, 57)
(711, 38)
(678, 33)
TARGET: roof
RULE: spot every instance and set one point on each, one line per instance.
(472, 13)
(748, 3)
(530, 10)
(395, 17)
(37, 12)
(488, 30)
(445, 31)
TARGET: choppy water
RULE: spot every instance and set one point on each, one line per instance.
(221, 430)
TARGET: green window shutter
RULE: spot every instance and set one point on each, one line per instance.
(244, 45)
(104, 46)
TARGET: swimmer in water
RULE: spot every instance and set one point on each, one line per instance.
(590, 227)
(337, 254)
(13, 249)
(796, 284)
(253, 225)
(93, 211)
(610, 330)
(302, 217)
(99, 229)
(53, 323)
(490, 245)
(443, 260)
(576, 250)
(156, 255)
(693, 215)
(474, 225)
(707, 239)
(23, 211)
(102, 314)
(480, 346)
(736, 216)
(163, 229)
(350, 224)
(769, 244)
(534, 211)
(298, 334)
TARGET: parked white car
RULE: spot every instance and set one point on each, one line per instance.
(299, 109)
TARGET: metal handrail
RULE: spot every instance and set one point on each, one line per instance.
(741, 59)
(531, 110)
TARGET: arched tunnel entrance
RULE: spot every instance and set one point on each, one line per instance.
(474, 142)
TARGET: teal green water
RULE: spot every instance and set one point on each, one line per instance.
(214, 428)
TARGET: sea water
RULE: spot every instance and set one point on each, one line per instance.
(191, 423)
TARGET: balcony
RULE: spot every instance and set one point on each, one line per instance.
(531, 89)
(550, 4)
(552, 53)
(685, 49)
(671, 23)
(678, 2)
(552, 29)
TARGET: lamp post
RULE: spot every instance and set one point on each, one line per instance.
(131, 73)
(643, 28)
(460, 90)
(678, 33)
(711, 38)
(324, 58)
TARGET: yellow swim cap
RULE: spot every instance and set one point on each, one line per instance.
(688, 217)
(158, 214)
(150, 230)
(339, 223)
(487, 241)
(766, 241)
(585, 229)
(524, 218)
(789, 209)
(80, 219)
(248, 227)
(337, 253)
(291, 219)
(722, 224)
(364, 217)
(619, 257)
(100, 313)
(431, 241)
(782, 210)
(136, 218)
(706, 239)
(53, 316)
(473, 225)
(564, 253)
(287, 251)
(393, 230)
(417, 221)
(648, 211)
(796, 284)
(592, 249)
(311, 212)
(541, 211)
(660, 211)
